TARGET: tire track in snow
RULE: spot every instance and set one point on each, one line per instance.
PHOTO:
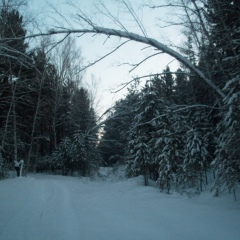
(49, 207)
(41, 212)
(57, 218)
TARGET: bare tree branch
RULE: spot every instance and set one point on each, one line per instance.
(135, 17)
(106, 55)
(108, 14)
(123, 85)
(137, 38)
(145, 59)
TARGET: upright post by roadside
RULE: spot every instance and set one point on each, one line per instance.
(21, 162)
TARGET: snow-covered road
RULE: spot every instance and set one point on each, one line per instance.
(45, 207)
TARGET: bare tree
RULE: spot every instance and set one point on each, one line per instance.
(69, 61)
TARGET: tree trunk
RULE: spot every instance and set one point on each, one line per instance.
(35, 121)
(146, 176)
(15, 158)
(11, 110)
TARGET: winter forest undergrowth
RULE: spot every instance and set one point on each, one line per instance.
(179, 128)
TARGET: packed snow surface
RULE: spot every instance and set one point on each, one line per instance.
(48, 207)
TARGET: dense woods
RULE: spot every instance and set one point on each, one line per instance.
(179, 128)
(46, 113)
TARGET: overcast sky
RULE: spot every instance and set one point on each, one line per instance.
(113, 71)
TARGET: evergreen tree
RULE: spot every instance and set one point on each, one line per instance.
(112, 144)
(13, 49)
(140, 134)
(81, 112)
(224, 51)
(14, 70)
(164, 85)
(167, 148)
(227, 160)
(196, 152)
(182, 90)
(114, 140)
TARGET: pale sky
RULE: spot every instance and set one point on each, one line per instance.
(108, 73)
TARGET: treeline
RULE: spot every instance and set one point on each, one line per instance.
(176, 129)
(46, 116)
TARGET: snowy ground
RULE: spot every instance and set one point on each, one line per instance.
(46, 207)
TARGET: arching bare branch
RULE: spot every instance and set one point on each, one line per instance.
(106, 55)
(138, 38)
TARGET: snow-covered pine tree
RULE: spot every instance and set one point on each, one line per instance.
(168, 149)
(14, 64)
(227, 161)
(76, 154)
(114, 139)
(224, 53)
(3, 166)
(164, 156)
(165, 143)
(197, 145)
(63, 156)
(81, 160)
(140, 134)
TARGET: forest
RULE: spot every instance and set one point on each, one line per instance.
(179, 128)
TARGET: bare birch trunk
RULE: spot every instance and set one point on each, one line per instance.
(34, 121)
(15, 158)
(56, 106)
(11, 109)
